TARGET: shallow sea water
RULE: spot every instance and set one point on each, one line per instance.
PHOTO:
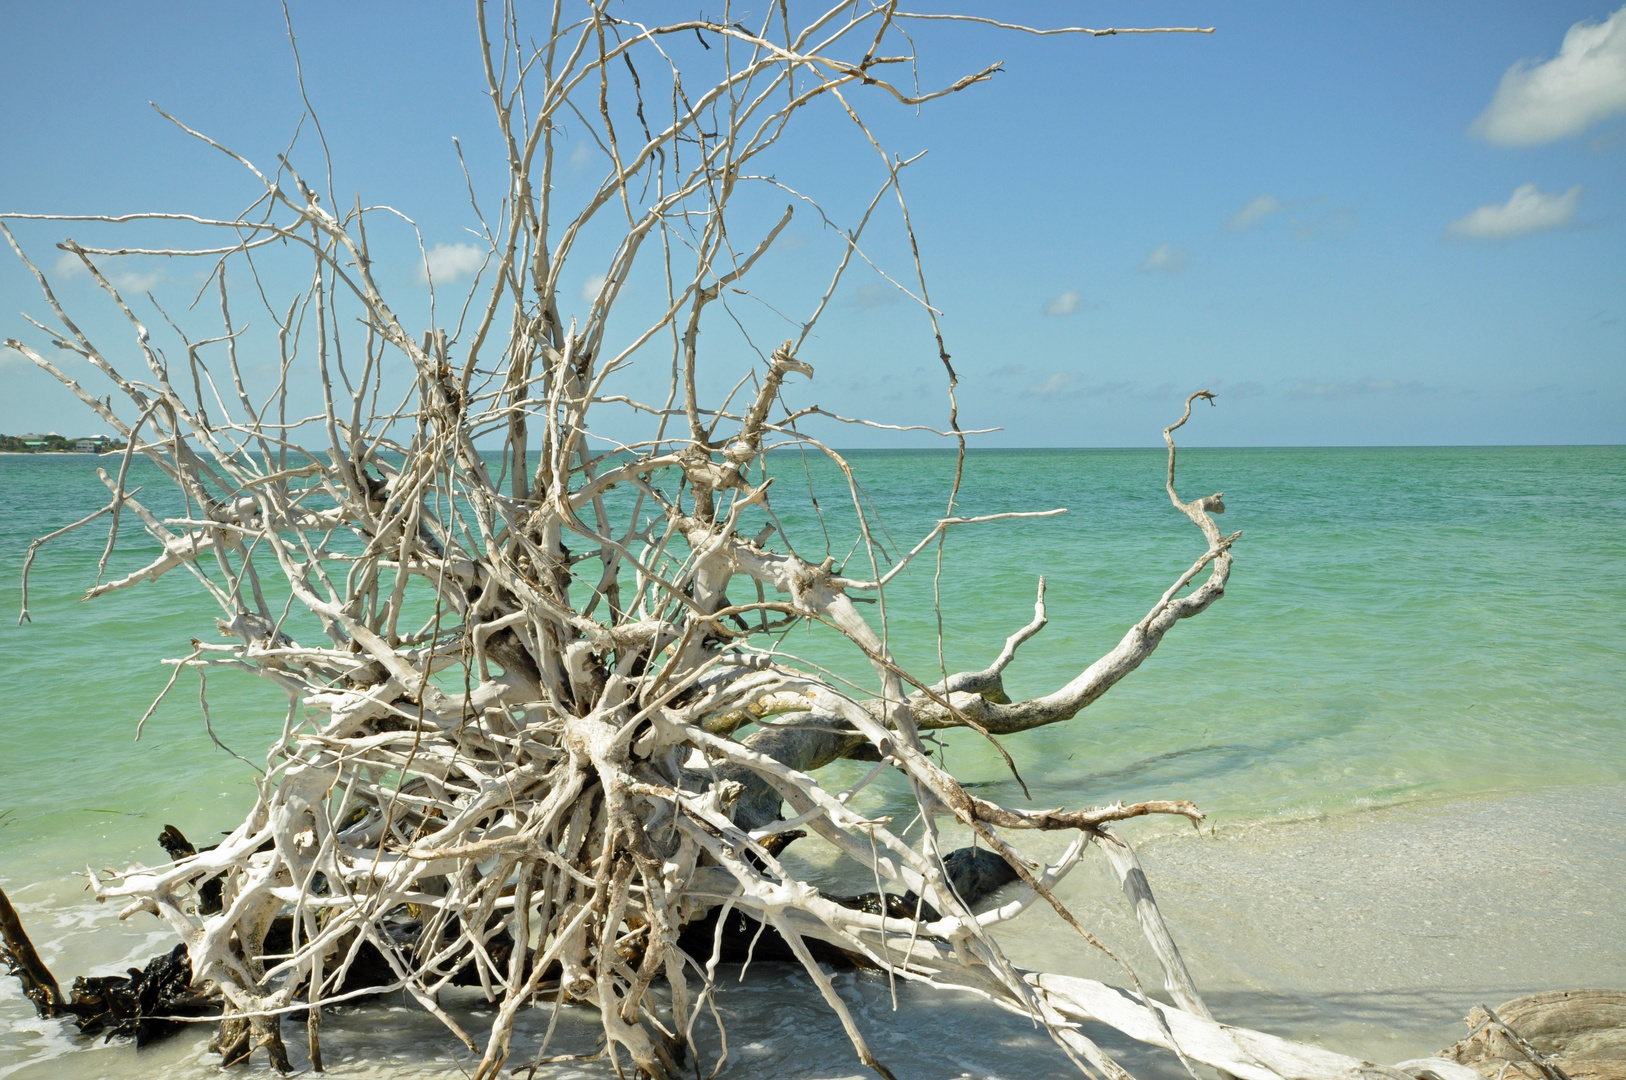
(1405, 720)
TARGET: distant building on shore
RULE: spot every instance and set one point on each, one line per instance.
(52, 442)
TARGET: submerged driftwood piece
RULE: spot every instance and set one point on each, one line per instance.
(18, 954)
(1574, 1034)
(143, 1004)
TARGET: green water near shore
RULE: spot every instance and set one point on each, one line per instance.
(1412, 629)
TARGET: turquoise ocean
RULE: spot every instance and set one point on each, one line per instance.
(1406, 721)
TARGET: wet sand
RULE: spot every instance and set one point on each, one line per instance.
(1370, 933)
(1374, 933)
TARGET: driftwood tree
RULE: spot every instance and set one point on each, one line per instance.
(514, 751)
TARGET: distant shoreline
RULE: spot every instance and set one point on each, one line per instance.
(950, 451)
(59, 453)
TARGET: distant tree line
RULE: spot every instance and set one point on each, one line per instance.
(57, 444)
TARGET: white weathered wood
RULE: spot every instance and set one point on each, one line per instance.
(1137, 890)
(1252, 1055)
(549, 757)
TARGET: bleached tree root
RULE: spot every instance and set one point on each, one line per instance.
(1239, 1051)
(515, 751)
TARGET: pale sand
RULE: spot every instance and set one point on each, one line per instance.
(1372, 934)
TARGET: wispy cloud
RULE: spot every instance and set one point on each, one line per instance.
(1529, 210)
(1255, 212)
(1070, 385)
(592, 287)
(68, 267)
(1307, 219)
(1335, 222)
(1235, 390)
(580, 157)
(873, 295)
(1066, 304)
(138, 280)
(1058, 383)
(1165, 259)
(450, 262)
(1544, 101)
(1301, 391)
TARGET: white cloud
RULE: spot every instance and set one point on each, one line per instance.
(136, 281)
(1165, 259)
(1301, 391)
(1540, 102)
(1235, 390)
(580, 157)
(592, 286)
(1069, 385)
(1255, 212)
(448, 262)
(1065, 304)
(1335, 222)
(873, 295)
(1529, 210)
(69, 267)
(1056, 384)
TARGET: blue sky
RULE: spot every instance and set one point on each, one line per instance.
(1361, 224)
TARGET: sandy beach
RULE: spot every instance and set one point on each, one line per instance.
(1372, 934)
